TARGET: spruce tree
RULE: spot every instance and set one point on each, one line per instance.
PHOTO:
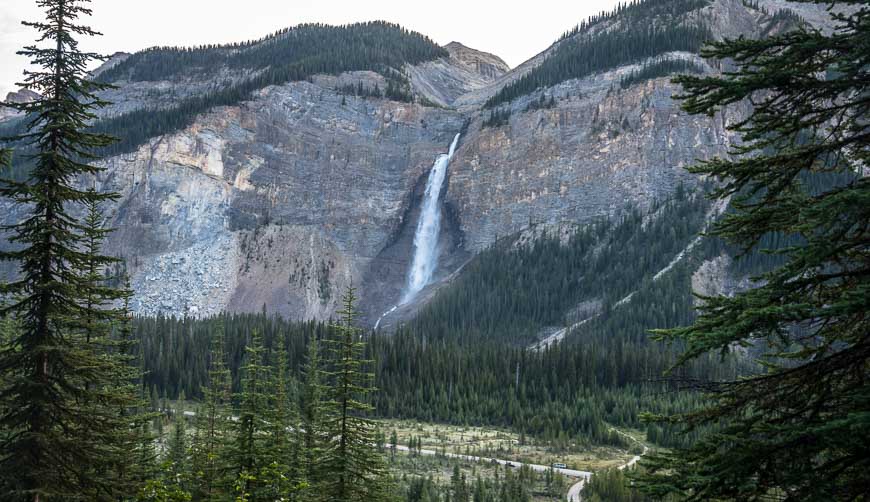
(178, 451)
(311, 434)
(59, 406)
(797, 428)
(352, 460)
(212, 425)
(247, 453)
(138, 463)
(278, 476)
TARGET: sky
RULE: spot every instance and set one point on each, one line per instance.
(512, 30)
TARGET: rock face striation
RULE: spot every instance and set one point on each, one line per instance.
(283, 200)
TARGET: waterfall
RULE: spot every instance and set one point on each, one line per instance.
(425, 259)
(385, 314)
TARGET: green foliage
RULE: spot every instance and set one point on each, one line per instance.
(498, 118)
(542, 103)
(279, 443)
(398, 86)
(361, 90)
(611, 485)
(291, 55)
(160, 490)
(661, 67)
(511, 485)
(176, 352)
(351, 458)
(212, 426)
(308, 48)
(67, 399)
(790, 429)
(178, 458)
(636, 11)
(641, 30)
(251, 450)
(312, 435)
(519, 289)
(5, 160)
(567, 394)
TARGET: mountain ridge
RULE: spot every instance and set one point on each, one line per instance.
(283, 198)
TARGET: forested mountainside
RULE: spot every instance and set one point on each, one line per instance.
(312, 48)
(466, 359)
(631, 33)
(202, 78)
(640, 30)
(257, 174)
(568, 270)
(458, 359)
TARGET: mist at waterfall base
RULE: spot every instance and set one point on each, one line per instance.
(425, 260)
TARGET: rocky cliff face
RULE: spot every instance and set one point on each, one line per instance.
(284, 200)
(281, 201)
(444, 81)
(20, 96)
(599, 150)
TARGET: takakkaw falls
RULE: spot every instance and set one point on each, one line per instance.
(425, 259)
(357, 262)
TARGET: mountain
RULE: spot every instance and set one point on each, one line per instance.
(272, 174)
(20, 96)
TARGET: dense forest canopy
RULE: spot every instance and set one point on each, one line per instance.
(635, 32)
(606, 373)
(509, 291)
(312, 48)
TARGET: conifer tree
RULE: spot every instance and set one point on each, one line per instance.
(60, 400)
(355, 465)
(796, 429)
(178, 451)
(5, 160)
(310, 434)
(247, 451)
(212, 424)
(138, 464)
(275, 476)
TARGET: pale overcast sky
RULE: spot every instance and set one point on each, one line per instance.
(512, 30)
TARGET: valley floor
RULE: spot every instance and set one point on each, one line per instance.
(486, 453)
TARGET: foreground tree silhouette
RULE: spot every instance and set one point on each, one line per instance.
(61, 400)
(799, 428)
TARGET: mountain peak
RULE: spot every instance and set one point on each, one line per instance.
(22, 96)
(488, 65)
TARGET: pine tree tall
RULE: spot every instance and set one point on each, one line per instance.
(310, 434)
(246, 453)
(212, 425)
(59, 406)
(137, 461)
(356, 467)
(798, 429)
(178, 451)
(280, 474)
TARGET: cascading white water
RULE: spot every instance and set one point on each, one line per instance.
(425, 259)
(385, 314)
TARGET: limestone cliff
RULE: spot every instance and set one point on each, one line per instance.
(283, 200)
